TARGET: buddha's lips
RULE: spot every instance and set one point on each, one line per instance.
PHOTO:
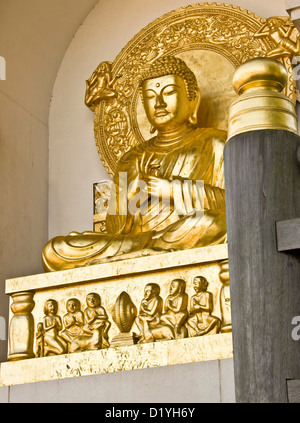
(161, 113)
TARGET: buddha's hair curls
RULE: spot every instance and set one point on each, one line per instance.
(171, 65)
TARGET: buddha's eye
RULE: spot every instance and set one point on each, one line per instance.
(149, 95)
(170, 92)
(172, 89)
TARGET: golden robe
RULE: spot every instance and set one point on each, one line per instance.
(192, 218)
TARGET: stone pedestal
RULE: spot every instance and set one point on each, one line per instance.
(63, 339)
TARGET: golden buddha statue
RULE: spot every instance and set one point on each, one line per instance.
(169, 191)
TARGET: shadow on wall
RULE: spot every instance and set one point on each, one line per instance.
(3, 351)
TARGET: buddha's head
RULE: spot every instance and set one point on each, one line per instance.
(170, 95)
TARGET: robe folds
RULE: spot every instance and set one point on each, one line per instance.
(193, 216)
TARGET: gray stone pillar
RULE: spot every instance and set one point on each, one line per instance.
(262, 182)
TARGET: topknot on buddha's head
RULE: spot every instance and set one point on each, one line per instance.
(171, 65)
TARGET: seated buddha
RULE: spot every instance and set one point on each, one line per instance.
(175, 180)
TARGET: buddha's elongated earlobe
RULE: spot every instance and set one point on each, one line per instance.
(196, 103)
(193, 118)
(152, 129)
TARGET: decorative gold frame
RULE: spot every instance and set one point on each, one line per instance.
(229, 33)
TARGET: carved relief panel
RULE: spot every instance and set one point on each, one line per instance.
(137, 309)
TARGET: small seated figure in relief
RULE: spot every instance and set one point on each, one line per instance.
(40, 352)
(176, 313)
(54, 343)
(73, 320)
(96, 326)
(99, 85)
(285, 35)
(148, 320)
(202, 321)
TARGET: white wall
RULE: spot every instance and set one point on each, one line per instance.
(206, 382)
(34, 35)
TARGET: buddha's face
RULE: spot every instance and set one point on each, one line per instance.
(166, 102)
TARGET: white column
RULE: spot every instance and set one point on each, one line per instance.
(293, 9)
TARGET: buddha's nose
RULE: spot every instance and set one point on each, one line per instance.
(159, 102)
